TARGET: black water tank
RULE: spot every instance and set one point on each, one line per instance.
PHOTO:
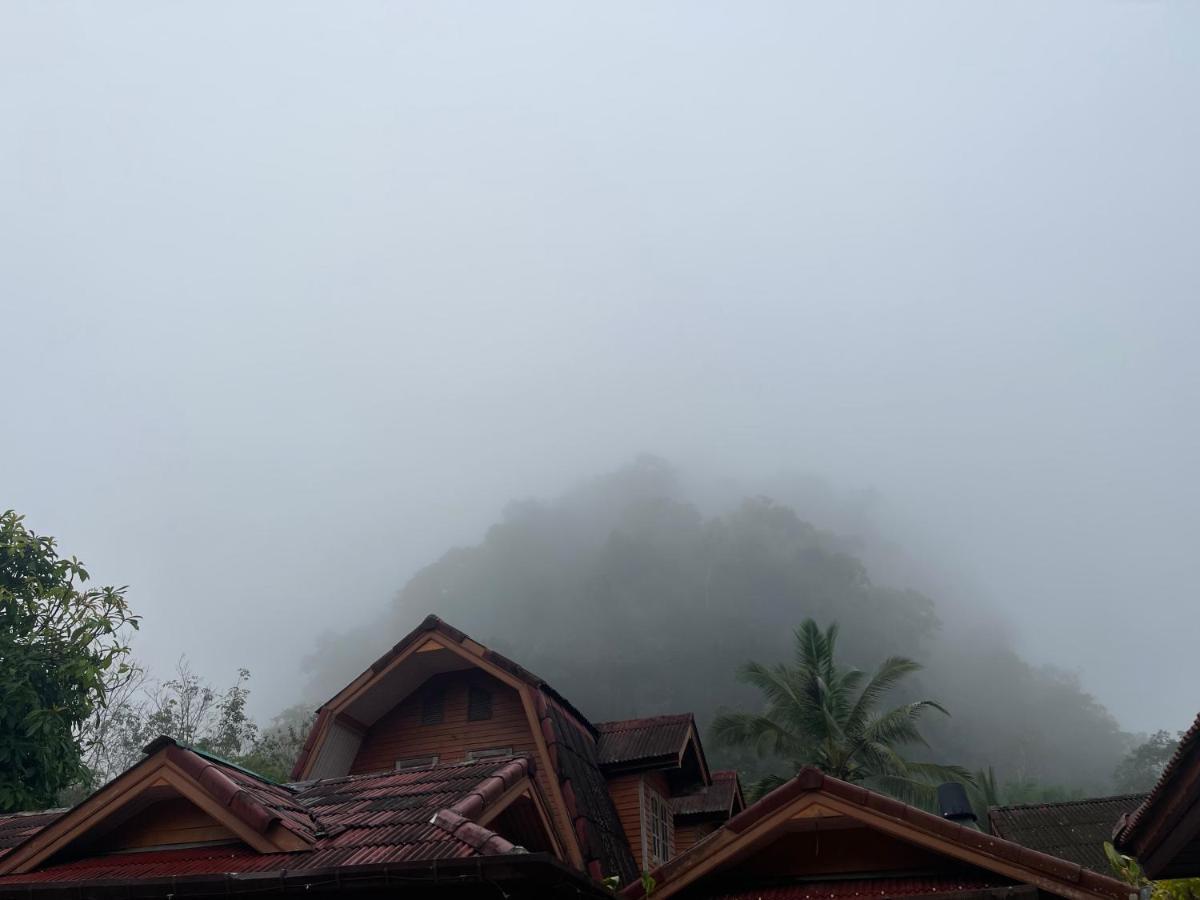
(953, 803)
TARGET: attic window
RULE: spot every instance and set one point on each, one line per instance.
(657, 830)
(489, 753)
(416, 762)
(479, 704)
(433, 707)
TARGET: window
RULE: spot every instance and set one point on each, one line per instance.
(489, 753)
(433, 707)
(416, 762)
(479, 704)
(656, 826)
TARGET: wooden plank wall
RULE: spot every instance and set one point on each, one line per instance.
(626, 793)
(174, 821)
(400, 734)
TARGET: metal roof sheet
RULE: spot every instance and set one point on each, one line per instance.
(1075, 830)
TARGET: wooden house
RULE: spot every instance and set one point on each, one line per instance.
(447, 769)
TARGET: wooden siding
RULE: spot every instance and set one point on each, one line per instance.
(626, 793)
(689, 833)
(167, 822)
(399, 734)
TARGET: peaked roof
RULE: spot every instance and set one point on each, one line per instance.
(721, 799)
(1164, 831)
(261, 814)
(652, 739)
(811, 793)
(1074, 830)
(570, 741)
(357, 821)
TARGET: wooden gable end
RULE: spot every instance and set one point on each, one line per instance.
(815, 830)
(172, 798)
(439, 720)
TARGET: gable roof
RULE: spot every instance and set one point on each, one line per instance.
(811, 794)
(569, 739)
(720, 800)
(1074, 830)
(359, 820)
(1163, 833)
(261, 814)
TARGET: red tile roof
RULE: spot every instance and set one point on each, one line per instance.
(916, 886)
(636, 740)
(356, 820)
(257, 802)
(809, 780)
(717, 799)
(1074, 830)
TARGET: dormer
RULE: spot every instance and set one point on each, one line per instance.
(649, 762)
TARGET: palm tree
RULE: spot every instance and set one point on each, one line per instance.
(822, 714)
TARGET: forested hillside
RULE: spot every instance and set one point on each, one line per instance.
(632, 602)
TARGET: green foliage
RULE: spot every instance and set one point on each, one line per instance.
(1127, 869)
(62, 652)
(189, 709)
(1140, 769)
(822, 714)
(277, 746)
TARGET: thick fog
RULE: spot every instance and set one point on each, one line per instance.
(295, 297)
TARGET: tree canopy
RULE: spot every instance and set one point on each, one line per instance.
(636, 594)
(62, 651)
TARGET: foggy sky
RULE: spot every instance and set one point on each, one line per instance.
(295, 296)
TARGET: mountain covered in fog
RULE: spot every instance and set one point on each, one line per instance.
(632, 601)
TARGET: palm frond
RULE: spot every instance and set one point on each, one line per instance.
(759, 789)
(758, 733)
(890, 672)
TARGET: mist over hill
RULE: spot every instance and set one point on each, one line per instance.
(636, 593)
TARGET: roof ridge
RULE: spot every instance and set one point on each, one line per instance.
(436, 767)
(643, 721)
(1045, 803)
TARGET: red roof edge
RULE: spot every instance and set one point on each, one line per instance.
(810, 779)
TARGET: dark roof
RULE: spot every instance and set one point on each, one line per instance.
(1145, 830)
(585, 790)
(653, 739)
(810, 780)
(902, 886)
(721, 799)
(1075, 830)
(571, 740)
(358, 820)
(16, 827)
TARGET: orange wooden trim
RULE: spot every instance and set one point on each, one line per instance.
(726, 846)
(352, 723)
(524, 788)
(574, 850)
(363, 683)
